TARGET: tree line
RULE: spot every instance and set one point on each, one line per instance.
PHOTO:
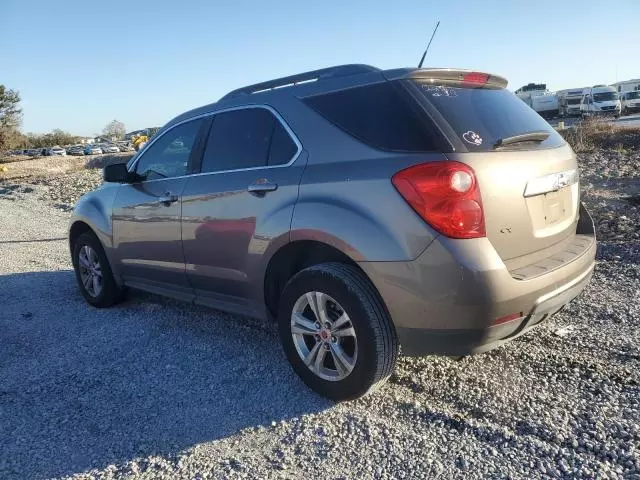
(11, 138)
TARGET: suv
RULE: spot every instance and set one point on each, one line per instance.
(366, 211)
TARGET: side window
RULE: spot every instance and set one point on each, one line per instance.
(377, 115)
(169, 155)
(239, 139)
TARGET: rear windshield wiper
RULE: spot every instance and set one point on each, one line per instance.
(538, 136)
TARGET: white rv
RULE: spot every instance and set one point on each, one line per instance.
(627, 85)
(569, 102)
(539, 98)
(600, 100)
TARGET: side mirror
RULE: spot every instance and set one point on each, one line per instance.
(117, 173)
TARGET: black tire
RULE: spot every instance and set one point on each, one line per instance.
(111, 293)
(376, 337)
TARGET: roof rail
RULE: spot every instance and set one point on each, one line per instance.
(306, 77)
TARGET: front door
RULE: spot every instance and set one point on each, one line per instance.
(146, 214)
(239, 205)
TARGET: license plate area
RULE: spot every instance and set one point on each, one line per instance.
(554, 206)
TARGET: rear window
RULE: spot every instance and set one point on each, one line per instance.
(482, 116)
(377, 115)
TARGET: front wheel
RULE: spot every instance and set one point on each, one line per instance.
(93, 272)
(336, 332)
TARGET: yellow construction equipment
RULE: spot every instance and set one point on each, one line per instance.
(138, 141)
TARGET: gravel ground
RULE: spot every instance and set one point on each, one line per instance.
(611, 189)
(159, 389)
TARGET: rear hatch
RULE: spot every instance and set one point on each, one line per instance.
(528, 184)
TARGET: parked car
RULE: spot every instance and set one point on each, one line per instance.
(363, 211)
(76, 150)
(56, 151)
(34, 152)
(110, 148)
(92, 150)
(125, 147)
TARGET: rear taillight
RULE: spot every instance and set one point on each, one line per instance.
(446, 195)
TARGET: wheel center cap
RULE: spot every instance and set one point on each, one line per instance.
(325, 335)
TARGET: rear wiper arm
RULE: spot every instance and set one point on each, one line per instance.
(538, 136)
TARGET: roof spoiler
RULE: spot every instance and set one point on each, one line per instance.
(449, 76)
(312, 76)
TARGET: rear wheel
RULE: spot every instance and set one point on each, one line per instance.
(336, 332)
(93, 272)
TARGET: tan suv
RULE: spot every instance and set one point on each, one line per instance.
(365, 210)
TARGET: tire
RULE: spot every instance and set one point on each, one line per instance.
(347, 289)
(109, 293)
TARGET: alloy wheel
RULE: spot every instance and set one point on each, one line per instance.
(324, 336)
(90, 271)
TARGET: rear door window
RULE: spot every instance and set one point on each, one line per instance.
(377, 115)
(482, 116)
(283, 147)
(247, 138)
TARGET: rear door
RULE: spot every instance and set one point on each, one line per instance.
(240, 204)
(529, 190)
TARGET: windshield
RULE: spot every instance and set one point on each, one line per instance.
(482, 116)
(633, 95)
(573, 101)
(605, 97)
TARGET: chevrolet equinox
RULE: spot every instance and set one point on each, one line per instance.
(366, 211)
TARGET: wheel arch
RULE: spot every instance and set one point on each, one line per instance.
(293, 257)
(78, 227)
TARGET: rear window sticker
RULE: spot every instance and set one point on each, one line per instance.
(440, 91)
(472, 137)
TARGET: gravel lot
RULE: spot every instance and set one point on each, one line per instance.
(159, 389)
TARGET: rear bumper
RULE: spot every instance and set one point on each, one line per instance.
(450, 299)
(468, 341)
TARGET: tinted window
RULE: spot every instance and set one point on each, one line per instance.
(239, 139)
(482, 116)
(282, 146)
(169, 155)
(377, 115)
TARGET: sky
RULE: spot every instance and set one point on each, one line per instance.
(78, 64)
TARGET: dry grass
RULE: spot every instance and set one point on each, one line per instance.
(13, 158)
(599, 134)
(35, 167)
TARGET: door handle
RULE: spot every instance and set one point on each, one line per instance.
(260, 189)
(167, 198)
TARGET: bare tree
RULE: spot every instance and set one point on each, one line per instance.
(114, 130)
